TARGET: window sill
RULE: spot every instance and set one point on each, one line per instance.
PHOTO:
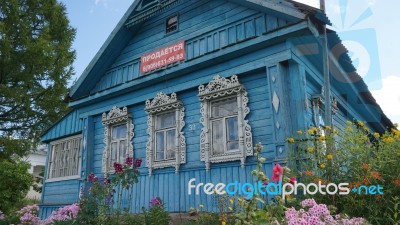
(62, 179)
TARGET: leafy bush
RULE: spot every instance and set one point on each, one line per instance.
(156, 214)
(14, 185)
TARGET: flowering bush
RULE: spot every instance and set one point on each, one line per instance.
(29, 215)
(125, 177)
(104, 196)
(156, 214)
(318, 214)
(66, 213)
(357, 157)
(1, 215)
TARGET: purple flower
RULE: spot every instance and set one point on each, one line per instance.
(156, 202)
(92, 178)
(138, 162)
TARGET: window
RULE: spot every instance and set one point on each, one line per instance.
(118, 134)
(171, 24)
(166, 146)
(224, 126)
(64, 159)
(165, 134)
(226, 135)
(118, 144)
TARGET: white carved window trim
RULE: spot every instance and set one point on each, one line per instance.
(220, 88)
(61, 166)
(113, 118)
(161, 104)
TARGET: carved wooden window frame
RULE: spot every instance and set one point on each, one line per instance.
(220, 88)
(161, 104)
(72, 147)
(115, 117)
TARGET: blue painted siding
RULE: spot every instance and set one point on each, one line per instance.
(206, 26)
(173, 187)
(61, 192)
(67, 126)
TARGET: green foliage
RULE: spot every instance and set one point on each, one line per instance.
(35, 65)
(357, 157)
(95, 206)
(156, 215)
(207, 218)
(14, 185)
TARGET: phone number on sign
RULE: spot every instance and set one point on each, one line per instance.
(163, 62)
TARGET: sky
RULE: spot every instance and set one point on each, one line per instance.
(368, 28)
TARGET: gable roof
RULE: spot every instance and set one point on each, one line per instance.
(131, 22)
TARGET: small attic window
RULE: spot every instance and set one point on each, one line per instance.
(171, 24)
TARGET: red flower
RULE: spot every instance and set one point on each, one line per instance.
(118, 168)
(277, 172)
(137, 163)
(293, 180)
(129, 161)
(92, 178)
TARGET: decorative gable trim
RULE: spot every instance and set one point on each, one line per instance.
(221, 87)
(146, 12)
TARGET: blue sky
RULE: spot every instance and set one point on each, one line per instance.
(95, 19)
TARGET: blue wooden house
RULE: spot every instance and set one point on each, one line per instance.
(189, 87)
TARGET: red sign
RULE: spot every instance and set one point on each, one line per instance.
(163, 57)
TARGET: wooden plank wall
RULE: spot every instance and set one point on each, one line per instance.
(171, 187)
(206, 26)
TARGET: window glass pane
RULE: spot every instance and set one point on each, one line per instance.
(119, 131)
(166, 120)
(224, 108)
(170, 144)
(122, 151)
(160, 145)
(232, 133)
(217, 137)
(232, 129)
(113, 153)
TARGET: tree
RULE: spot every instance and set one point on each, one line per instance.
(14, 185)
(35, 66)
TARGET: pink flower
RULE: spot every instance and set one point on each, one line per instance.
(106, 181)
(92, 178)
(277, 172)
(293, 180)
(156, 202)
